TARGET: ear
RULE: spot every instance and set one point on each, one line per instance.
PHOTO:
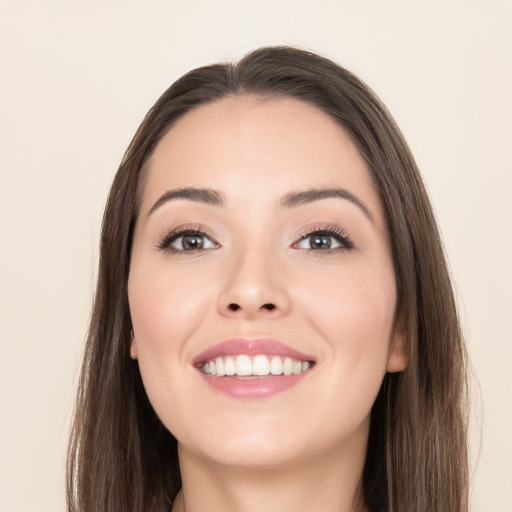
(134, 353)
(398, 357)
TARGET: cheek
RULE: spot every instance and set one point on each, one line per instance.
(165, 307)
(354, 311)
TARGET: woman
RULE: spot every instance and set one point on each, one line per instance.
(274, 325)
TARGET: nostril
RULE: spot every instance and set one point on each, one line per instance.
(236, 307)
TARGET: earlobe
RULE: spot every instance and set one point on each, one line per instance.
(397, 362)
(134, 354)
(398, 358)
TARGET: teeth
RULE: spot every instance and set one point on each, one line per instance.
(276, 366)
(243, 365)
(287, 366)
(219, 363)
(259, 365)
(229, 366)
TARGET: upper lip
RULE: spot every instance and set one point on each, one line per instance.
(236, 346)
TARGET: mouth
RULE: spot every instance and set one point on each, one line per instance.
(253, 368)
(260, 365)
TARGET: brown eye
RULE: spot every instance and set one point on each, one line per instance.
(191, 242)
(187, 241)
(319, 242)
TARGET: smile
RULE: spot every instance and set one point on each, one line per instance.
(257, 366)
(253, 368)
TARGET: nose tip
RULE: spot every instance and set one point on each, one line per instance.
(253, 289)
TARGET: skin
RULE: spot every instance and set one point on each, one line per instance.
(304, 448)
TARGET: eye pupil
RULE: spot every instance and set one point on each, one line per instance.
(192, 242)
(320, 242)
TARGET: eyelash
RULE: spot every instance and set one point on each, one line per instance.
(167, 240)
(340, 236)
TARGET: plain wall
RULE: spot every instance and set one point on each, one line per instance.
(77, 77)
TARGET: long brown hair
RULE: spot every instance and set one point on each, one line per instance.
(121, 457)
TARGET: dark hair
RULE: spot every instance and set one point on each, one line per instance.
(121, 457)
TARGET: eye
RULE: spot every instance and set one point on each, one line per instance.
(187, 241)
(325, 239)
(318, 241)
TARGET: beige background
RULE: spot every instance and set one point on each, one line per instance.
(76, 78)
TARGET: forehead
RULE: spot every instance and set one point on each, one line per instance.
(267, 147)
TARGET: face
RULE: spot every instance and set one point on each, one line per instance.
(261, 287)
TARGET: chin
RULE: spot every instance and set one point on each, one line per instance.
(251, 455)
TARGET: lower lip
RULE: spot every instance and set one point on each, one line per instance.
(252, 388)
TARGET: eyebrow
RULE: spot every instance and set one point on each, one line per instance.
(291, 200)
(294, 199)
(200, 195)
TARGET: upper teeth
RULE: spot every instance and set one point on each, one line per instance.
(260, 365)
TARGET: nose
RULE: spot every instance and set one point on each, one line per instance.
(254, 287)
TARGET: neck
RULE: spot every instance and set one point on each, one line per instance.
(330, 484)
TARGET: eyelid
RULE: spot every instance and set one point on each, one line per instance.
(332, 230)
(169, 236)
